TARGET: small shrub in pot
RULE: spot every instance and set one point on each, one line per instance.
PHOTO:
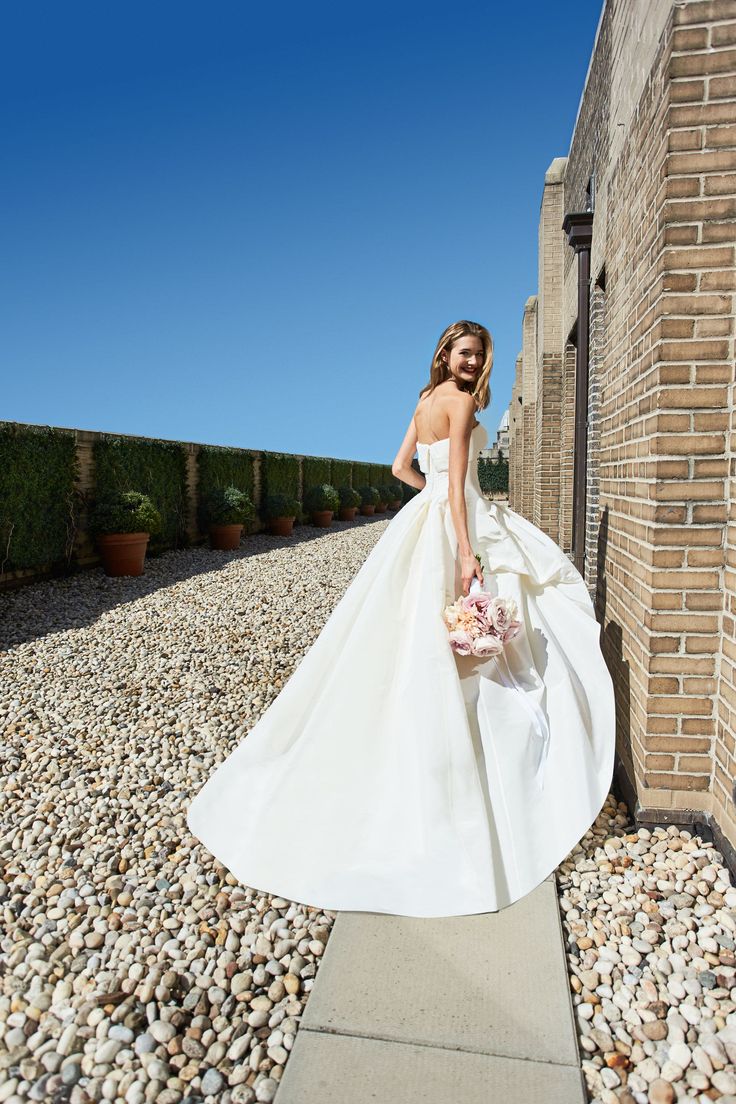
(122, 523)
(349, 503)
(279, 511)
(369, 499)
(321, 502)
(226, 510)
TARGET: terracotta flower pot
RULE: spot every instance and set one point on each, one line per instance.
(347, 513)
(280, 526)
(123, 553)
(322, 518)
(381, 508)
(225, 538)
(395, 504)
(368, 510)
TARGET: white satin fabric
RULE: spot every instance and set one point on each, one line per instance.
(390, 775)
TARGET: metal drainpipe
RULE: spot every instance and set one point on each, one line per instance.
(579, 229)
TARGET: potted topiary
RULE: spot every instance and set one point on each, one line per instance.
(279, 510)
(368, 499)
(122, 523)
(226, 511)
(349, 503)
(321, 502)
(386, 495)
(395, 495)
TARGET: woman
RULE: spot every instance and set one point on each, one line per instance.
(392, 774)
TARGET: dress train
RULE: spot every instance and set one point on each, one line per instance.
(391, 775)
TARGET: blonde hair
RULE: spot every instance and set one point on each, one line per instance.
(440, 370)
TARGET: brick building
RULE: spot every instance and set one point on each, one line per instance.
(622, 426)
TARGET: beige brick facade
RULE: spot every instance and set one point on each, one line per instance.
(656, 132)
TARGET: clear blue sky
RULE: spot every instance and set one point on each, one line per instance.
(248, 224)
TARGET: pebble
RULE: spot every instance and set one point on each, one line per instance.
(161, 1031)
(139, 968)
(266, 1089)
(724, 1081)
(211, 1082)
(661, 1092)
(649, 917)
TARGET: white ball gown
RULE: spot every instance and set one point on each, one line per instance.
(390, 774)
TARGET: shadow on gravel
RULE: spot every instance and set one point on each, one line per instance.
(52, 605)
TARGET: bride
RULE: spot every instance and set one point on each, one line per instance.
(393, 774)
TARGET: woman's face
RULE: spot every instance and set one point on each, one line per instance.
(465, 359)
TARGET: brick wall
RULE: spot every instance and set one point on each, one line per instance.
(523, 451)
(657, 127)
(548, 413)
(516, 433)
(697, 346)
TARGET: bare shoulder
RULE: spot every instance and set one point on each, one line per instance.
(446, 409)
(449, 396)
(463, 401)
(461, 408)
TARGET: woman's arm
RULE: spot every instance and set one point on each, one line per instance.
(401, 466)
(461, 412)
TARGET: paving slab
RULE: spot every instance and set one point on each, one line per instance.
(495, 983)
(345, 1069)
(486, 997)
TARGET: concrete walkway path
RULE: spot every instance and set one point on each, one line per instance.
(471, 1008)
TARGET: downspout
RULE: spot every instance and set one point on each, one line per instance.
(579, 229)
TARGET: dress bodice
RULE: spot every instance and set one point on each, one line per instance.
(434, 461)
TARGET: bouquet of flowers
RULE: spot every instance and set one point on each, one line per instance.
(479, 624)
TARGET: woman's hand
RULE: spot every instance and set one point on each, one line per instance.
(470, 569)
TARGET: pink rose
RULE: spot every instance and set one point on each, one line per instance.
(489, 645)
(514, 628)
(479, 604)
(461, 642)
(502, 612)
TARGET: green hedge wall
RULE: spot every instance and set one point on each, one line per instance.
(381, 474)
(38, 506)
(342, 473)
(361, 474)
(218, 466)
(315, 471)
(493, 475)
(158, 469)
(40, 503)
(279, 474)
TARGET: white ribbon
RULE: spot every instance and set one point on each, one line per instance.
(541, 727)
(535, 712)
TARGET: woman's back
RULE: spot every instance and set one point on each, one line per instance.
(432, 415)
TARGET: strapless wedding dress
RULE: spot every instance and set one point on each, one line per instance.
(392, 775)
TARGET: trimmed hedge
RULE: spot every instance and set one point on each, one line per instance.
(219, 466)
(156, 468)
(39, 509)
(279, 475)
(493, 475)
(316, 472)
(42, 508)
(342, 473)
(378, 474)
(361, 473)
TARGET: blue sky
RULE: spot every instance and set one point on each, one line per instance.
(248, 224)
